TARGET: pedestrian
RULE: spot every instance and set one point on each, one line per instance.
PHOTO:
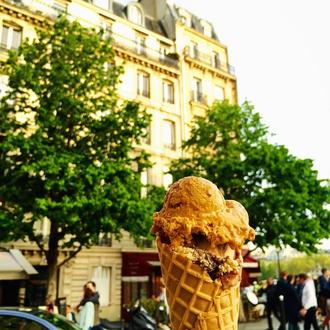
(281, 292)
(162, 308)
(292, 305)
(299, 287)
(69, 313)
(94, 298)
(50, 305)
(324, 295)
(309, 303)
(271, 303)
(324, 283)
(87, 310)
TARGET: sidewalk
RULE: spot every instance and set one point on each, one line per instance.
(257, 325)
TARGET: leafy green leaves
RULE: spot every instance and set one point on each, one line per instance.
(67, 150)
(285, 200)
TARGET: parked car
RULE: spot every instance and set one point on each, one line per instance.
(34, 319)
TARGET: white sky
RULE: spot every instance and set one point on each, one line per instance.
(281, 52)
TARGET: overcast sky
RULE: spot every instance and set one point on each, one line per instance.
(281, 52)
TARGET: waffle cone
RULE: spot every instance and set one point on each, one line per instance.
(195, 301)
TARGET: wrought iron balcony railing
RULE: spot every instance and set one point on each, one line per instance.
(141, 49)
(171, 146)
(215, 62)
(41, 6)
(143, 92)
(198, 97)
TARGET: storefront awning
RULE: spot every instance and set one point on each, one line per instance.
(14, 266)
(138, 265)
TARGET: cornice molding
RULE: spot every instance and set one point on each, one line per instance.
(23, 14)
(193, 63)
(129, 56)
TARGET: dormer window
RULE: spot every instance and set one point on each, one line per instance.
(135, 14)
(185, 17)
(105, 4)
(207, 28)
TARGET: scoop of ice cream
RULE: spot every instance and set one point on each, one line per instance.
(195, 211)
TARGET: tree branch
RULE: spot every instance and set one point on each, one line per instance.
(250, 251)
(72, 255)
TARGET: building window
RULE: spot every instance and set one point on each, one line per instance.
(3, 86)
(11, 36)
(219, 93)
(135, 14)
(168, 91)
(147, 135)
(105, 4)
(207, 28)
(107, 30)
(185, 17)
(145, 180)
(194, 49)
(143, 84)
(215, 60)
(167, 177)
(162, 52)
(169, 134)
(102, 278)
(197, 93)
(140, 43)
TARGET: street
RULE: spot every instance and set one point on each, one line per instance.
(257, 325)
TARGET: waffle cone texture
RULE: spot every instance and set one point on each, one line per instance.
(195, 301)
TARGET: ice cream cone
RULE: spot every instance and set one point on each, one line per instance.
(195, 300)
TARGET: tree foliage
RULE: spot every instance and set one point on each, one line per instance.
(285, 200)
(303, 264)
(67, 142)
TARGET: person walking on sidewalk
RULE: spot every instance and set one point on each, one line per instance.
(281, 293)
(271, 302)
(309, 303)
(292, 305)
(324, 295)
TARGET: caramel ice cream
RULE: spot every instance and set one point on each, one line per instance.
(200, 236)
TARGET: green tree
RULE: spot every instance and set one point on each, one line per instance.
(67, 142)
(296, 265)
(285, 200)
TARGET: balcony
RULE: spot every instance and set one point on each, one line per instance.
(142, 50)
(198, 97)
(143, 92)
(47, 8)
(105, 239)
(194, 53)
(169, 145)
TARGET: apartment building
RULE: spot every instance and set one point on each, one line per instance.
(175, 67)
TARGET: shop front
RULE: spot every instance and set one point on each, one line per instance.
(141, 277)
(15, 271)
(251, 269)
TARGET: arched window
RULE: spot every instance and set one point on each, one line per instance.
(135, 14)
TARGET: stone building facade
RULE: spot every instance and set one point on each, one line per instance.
(176, 67)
